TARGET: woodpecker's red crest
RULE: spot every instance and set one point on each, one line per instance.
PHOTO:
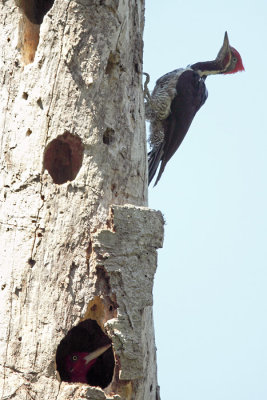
(229, 58)
(78, 367)
(236, 64)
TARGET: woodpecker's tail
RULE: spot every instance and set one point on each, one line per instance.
(154, 158)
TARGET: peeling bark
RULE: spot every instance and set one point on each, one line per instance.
(77, 241)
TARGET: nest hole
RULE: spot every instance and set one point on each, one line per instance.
(85, 355)
(108, 136)
(35, 10)
(63, 157)
(33, 14)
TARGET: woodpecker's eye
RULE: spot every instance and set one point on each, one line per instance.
(74, 358)
(234, 59)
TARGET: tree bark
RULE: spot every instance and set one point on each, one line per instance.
(77, 240)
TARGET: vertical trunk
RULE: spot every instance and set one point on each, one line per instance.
(73, 155)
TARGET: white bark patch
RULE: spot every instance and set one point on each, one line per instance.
(84, 78)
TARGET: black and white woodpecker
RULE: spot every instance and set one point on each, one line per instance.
(175, 100)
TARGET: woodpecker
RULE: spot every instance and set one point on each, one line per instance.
(175, 100)
(85, 355)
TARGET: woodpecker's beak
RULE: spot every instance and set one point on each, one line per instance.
(225, 52)
(96, 353)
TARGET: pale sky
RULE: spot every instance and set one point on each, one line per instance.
(210, 300)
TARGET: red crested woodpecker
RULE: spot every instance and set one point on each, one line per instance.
(79, 364)
(85, 355)
(175, 100)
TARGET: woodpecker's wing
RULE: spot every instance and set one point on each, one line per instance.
(157, 111)
(191, 94)
(159, 106)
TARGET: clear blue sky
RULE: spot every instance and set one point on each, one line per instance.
(210, 296)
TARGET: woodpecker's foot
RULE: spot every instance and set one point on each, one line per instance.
(146, 90)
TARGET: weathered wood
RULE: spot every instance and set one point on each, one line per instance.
(72, 144)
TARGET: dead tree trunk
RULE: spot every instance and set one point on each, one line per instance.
(77, 242)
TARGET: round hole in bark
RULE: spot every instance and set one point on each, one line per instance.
(108, 136)
(40, 103)
(35, 10)
(85, 355)
(31, 262)
(63, 157)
